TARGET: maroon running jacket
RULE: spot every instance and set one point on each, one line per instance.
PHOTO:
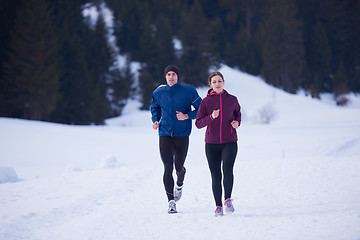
(219, 130)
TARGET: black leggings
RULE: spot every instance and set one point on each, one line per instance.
(173, 151)
(225, 154)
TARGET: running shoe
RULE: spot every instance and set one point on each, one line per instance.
(172, 207)
(218, 211)
(178, 193)
(229, 208)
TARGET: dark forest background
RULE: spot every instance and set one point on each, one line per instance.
(55, 66)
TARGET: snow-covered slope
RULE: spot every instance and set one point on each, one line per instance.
(296, 177)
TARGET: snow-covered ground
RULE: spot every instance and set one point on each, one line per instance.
(296, 177)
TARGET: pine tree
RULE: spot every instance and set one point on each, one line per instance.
(32, 68)
(236, 51)
(282, 45)
(129, 26)
(164, 44)
(353, 50)
(7, 16)
(158, 52)
(100, 59)
(75, 106)
(119, 88)
(196, 58)
(244, 13)
(339, 27)
(149, 73)
(217, 38)
(319, 60)
(244, 53)
(333, 14)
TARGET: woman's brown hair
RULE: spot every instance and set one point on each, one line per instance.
(213, 74)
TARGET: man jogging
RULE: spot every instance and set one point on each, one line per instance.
(171, 110)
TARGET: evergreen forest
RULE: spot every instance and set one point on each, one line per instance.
(58, 66)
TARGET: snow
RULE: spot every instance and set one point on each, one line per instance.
(8, 174)
(296, 177)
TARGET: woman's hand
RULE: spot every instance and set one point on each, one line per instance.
(235, 124)
(155, 125)
(215, 113)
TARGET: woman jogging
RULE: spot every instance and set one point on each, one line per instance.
(172, 114)
(220, 113)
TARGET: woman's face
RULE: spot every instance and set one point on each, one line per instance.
(217, 84)
(171, 78)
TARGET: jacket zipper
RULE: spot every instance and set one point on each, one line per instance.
(221, 117)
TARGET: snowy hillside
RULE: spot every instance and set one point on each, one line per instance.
(296, 177)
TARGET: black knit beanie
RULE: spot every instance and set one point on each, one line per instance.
(172, 68)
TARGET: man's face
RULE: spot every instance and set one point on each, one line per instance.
(171, 78)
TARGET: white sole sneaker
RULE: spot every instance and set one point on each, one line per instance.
(172, 207)
(177, 193)
(219, 211)
(229, 208)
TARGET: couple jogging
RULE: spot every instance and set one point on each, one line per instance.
(173, 107)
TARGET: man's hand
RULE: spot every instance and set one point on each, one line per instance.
(155, 125)
(180, 116)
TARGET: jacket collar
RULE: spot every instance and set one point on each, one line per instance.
(211, 92)
(175, 86)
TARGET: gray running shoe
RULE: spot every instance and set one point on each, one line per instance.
(178, 193)
(172, 207)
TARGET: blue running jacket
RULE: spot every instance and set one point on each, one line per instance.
(166, 100)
